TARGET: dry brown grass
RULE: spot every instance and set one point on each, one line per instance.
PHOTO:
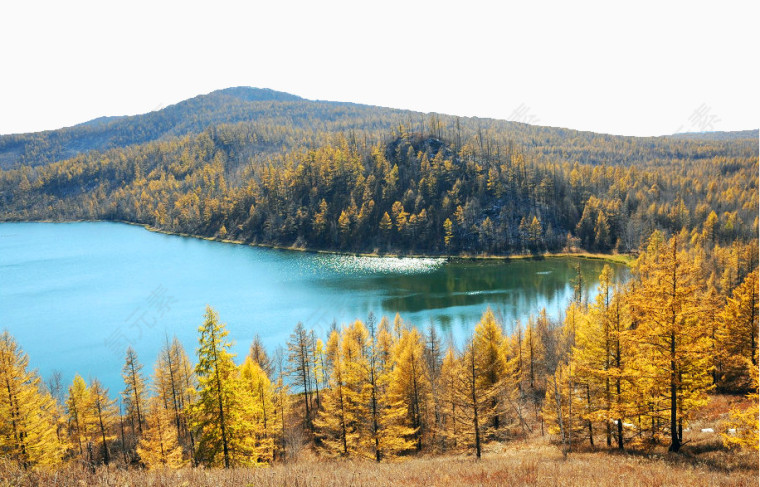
(533, 463)
(703, 461)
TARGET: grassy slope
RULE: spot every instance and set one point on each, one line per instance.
(532, 463)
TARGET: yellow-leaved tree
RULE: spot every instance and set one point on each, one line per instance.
(27, 411)
(259, 354)
(489, 348)
(159, 446)
(449, 399)
(261, 408)
(172, 383)
(744, 422)
(134, 391)
(671, 337)
(79, 418)
(103, 411)
(410, 383)
(225, 434)
(516, 390)
(338, 420)
(600, 355)
(473, 403)
(387, 435)
(738, 334)
(560, 403)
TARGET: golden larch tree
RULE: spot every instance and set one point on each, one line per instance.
(489, 348)
(159, 446)
(738, 335)
(261, 408)
(103, 410)
(78, 408)
(134, 390)
(337, 421)
(671, 335)
(410, 383)
(172, 380)
(27, 411)
(225, 434)
(744, 422)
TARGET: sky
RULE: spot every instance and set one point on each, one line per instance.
(631, 68)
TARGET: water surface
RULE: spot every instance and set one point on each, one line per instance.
(76, 294)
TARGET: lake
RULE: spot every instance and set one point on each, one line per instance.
(74, 295)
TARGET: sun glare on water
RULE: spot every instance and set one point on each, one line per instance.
(383, 265)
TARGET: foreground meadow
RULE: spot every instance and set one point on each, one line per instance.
(703, 461)
(530, 463)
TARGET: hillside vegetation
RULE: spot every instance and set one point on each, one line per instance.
(655, 382)
(265, 167)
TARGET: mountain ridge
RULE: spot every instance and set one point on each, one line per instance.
(108, 132)
(244, 104)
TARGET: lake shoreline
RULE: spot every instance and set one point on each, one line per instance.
(78, 293)
(625, 259)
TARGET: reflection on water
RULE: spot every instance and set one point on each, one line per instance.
(354, 265)
(67, 288)
(460, 290)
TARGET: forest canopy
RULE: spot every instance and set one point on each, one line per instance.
(265, 168)
(632, 368)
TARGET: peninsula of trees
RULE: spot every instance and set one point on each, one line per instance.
(265, 168)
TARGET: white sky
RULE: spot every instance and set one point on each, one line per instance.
(633, 68)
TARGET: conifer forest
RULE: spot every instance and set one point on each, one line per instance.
(657, 373)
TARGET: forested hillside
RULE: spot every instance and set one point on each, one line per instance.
(189, 116)
(277, 109)
(631, 370)
(338, 176)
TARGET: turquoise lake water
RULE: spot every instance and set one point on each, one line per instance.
(74, 295)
